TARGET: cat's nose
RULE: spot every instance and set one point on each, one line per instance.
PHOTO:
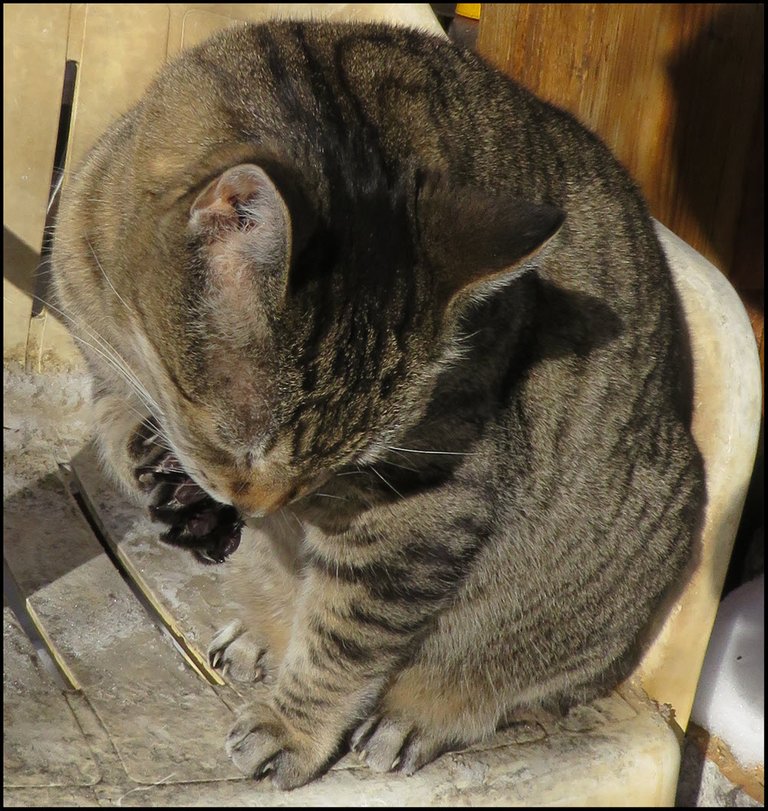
(255, 501)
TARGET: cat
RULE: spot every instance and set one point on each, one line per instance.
(351, 286)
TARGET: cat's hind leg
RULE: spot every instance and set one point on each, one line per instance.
(262, 582)
(420, 717)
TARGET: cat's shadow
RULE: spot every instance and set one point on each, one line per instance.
(506, 336)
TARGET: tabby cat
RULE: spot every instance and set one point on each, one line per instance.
(351, 286)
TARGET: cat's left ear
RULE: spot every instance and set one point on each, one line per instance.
(242, 216)
(477, 241)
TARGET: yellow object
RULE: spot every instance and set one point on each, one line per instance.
(471, 10)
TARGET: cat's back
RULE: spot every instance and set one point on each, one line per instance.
(350, 106)
(414, 96)
(419, 101)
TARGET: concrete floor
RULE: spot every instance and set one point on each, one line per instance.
(141, 723)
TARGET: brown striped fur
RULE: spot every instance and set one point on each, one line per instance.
(418, 320)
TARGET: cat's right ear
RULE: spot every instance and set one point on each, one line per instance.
(478, 242)
(244, 222)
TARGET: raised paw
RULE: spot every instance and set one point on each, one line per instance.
(236, 654)
(195, 521)
(207, 528)
(262, 743)
(388, 744)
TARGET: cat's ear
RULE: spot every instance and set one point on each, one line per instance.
(242, 216)
(478, 242)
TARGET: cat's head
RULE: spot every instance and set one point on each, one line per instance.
(278, 323)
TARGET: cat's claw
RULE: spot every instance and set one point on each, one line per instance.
(387, 745)
(237, 655)
(261, 743)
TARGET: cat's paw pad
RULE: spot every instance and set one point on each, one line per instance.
(195, 521)
(237, 655)
(388, 744)
(210, 530)
(260, 743)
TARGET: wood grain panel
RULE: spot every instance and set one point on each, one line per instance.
(674, 89)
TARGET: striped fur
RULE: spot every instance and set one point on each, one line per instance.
(421, 319)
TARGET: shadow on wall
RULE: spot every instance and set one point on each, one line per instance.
(717, 78)
(19, 262)
(718, 146)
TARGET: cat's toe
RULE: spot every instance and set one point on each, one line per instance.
(381, 743)
(421, 749)
(260, 743)
(362, 734)
(237, 655)
(387, 745)
(255, 741)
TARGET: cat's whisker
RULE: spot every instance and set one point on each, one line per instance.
(114, 365)
(402, 467)
(141, 415)
(439, 453)
(128, 373)
(54, 193)
(285, 520)
(396, 492)
(147, 402)
(328, 495)
(112, 356)
(104, 273)
(241, 487)
(296, 518)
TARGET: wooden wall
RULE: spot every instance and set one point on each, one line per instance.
(676, 90)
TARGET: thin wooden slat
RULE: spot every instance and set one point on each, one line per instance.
(42, 742)
(165, 721)
(191, 598)
(34, 51)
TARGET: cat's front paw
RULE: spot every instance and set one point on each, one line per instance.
(195, 521)
(237, 654)
(394, 744)
(262, 743)
(210, 530)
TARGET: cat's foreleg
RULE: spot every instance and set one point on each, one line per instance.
(125, 438)
(344, 647)
(264, 583)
